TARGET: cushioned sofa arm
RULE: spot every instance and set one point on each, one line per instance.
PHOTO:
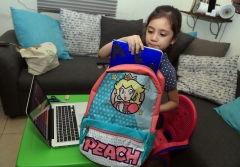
(11, 63)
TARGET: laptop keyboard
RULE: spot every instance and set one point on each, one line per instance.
(67, 129)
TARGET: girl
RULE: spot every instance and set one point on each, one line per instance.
(161, 32)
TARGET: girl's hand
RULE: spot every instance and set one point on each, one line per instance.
(135, 44)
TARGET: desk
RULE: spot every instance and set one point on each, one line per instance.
(34, 152)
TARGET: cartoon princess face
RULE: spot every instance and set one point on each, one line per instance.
(127, 95)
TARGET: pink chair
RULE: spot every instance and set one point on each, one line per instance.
(178, 126)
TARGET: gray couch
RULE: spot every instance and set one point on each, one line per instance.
(75, 76)
(213, 144)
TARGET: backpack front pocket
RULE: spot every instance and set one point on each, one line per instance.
(114, 145)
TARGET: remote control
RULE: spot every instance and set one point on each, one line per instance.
(3, 43)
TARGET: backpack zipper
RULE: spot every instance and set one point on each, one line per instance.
(110, 133)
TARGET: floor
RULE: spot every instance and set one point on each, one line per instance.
(10, 138)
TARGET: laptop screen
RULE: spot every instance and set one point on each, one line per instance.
(38, 108)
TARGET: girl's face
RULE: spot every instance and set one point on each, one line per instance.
(159, 34)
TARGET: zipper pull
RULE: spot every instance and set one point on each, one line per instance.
(82, 137)
(86, 131)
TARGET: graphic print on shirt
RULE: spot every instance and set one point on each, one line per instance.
(127, 95)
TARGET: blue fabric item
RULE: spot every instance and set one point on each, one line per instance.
(33, 29)
(193, 33)
(169, 73)
(230, 112)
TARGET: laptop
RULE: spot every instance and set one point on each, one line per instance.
(58, 124)
(120, 54)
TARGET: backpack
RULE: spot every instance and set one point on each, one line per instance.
(119, 125)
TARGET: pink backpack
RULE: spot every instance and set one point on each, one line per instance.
(118, 127)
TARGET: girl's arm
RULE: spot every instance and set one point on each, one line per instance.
(134, 44)
(172, 102)
(105, 51)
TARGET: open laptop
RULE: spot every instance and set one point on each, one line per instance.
(120, 54)
(58, 124)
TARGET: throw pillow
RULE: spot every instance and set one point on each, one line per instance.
(200, 47)
(193, 33)
(81, 32)
(116, 28)
(182, 43)
(213, 78)
(33, 29)
(230, 113)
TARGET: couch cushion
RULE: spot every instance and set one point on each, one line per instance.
(201, 47)
(81, 32)
(193, 33)
(182, 43)
(116, 28)
(74, 76)
(213, 78)
(230, 112)
(33, 29)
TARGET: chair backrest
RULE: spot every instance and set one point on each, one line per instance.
(180, 123)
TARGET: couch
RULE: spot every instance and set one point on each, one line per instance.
(214, 142)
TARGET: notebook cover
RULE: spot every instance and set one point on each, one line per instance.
(120, 54)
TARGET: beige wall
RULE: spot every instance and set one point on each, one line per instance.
(140, 9)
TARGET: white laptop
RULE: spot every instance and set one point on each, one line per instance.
(58, 123)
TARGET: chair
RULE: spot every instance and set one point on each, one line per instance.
(178, 126)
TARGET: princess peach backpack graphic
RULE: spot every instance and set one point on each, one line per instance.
(127, 95)
(118, 127)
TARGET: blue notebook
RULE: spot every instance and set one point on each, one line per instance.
(120, 54)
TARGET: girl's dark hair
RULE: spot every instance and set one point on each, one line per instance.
(172, 14)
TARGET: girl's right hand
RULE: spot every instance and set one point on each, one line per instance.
(135, 44)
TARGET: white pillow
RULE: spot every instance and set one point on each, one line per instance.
(81, 32)
(212, 78)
